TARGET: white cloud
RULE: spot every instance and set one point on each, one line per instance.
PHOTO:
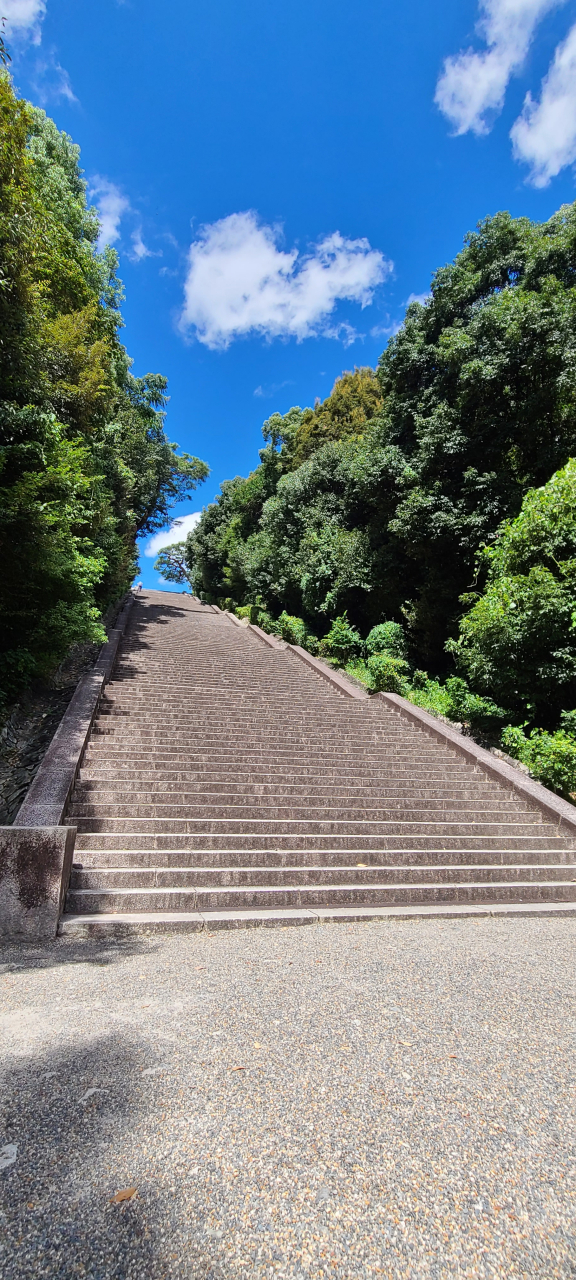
(422, 298)
(386, 330)
(23, 23)
(112, 206)
(50, 80)
(239, 281)
(544, 135)
(139, 249)
(272, 388)
(473, 84)
(24, 17)
(177, 532)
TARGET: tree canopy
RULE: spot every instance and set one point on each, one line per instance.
(518, 640)
(377, 501)
(85, 464)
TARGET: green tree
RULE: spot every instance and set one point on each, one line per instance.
(479, 390)
(355, 399)
(85, 465)
(171, 563)
(407, 472)
(517, 642)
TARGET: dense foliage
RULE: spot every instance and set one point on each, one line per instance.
(85, 465)
(418, 496)
(407, 472)
(518, 641)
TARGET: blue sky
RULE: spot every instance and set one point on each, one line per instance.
(278, 180)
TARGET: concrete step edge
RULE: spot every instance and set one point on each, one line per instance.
(161, 921)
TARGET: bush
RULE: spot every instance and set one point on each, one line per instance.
(357, 668)
(568, 723)
(343, 642)
(387, 637)
(518, 640)
(295, 631)
(550, 757)
(455, 701)
(429, 694)
(266, 621)
(482, 714)
(249, 611)
(254, 613)
(388, 674)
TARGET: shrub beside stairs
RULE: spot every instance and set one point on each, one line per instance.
(226, 783)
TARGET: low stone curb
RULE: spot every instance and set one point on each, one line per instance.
(36, 851)
(272, 641)
(554, 807)
(46, 801)
(339, 682)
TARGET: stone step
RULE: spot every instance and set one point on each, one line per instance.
(315, 810)
(118, 790)
(264, 738)
(83, 901)
(469, 787)
(223, 794)
(133, 859)
(114, 859)
(280, 747)
(271, 827)
(289, 839)
(207, 775)
(95, 799)
(305, 759)
(107, 878)
(226, 784)
(143, 923)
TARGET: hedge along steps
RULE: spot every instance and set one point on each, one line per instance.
(245, 784)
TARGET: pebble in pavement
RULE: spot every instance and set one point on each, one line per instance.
(389, 1099)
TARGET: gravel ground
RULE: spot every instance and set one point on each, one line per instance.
(387, 1099)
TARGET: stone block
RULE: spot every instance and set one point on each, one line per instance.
(35, 866)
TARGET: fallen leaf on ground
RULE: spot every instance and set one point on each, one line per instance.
(237, 1068)
(200, 968)
(126, 1194)
(361, 864)
(452, 1055)
(407, 1043)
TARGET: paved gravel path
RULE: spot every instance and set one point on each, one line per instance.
(390, 1099)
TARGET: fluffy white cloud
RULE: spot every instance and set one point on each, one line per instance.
(544, 135)
(177, 532)
(473, 84)
(423, 298)
(24, 17)
(112, 206)
(239, 281)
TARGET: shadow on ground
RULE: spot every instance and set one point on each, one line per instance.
(68, 952)
(72, 1115)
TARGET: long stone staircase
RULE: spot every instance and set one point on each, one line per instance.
(226, 783)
